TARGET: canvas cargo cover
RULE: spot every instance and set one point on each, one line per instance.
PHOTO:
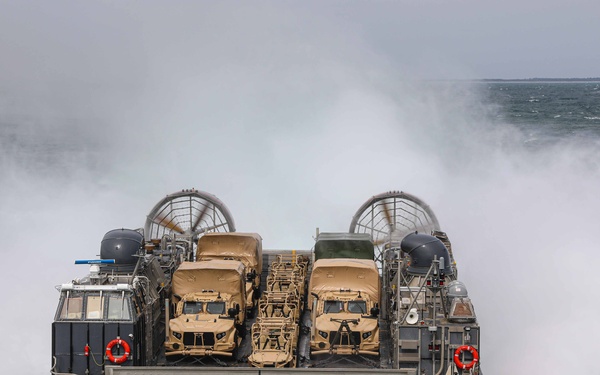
(353, 274)
(344, 245)
(247, 247)
(225, 276)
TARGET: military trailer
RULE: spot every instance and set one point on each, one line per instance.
(208, 305)
(275, 332)
(244, 247)
(344, 296)
(274, 342)
(113, 315)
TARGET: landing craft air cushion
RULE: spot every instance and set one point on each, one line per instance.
(406, 311)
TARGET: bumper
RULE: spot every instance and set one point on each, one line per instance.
(321, 347)
(223, 350)
(344, 351)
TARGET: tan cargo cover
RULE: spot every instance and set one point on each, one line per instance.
(353, 274)
(225, 276)
(247, 247)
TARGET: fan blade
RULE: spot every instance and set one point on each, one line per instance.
(388, 217)
(168, 223)
(208, 229)
(199, 218)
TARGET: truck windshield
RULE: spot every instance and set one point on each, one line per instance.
(357, 307)
(215, 308)
(192, 307)
(333, 307)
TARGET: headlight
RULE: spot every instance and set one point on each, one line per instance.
(366, 335)
(323, 334)
(177, 335)
(221, 335)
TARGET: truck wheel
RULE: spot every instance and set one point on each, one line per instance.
(241, 330)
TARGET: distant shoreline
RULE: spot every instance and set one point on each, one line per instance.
(594, 79)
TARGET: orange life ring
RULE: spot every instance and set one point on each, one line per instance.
(110, 355)
(458, 352)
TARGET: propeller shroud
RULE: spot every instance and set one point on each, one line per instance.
(390, 216)
(188, 213)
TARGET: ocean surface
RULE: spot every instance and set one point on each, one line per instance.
(547, 111)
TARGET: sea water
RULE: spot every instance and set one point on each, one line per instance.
(548, 111)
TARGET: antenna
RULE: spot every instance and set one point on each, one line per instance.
(94, 261)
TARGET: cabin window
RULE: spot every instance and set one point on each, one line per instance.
(357, 307)
(72, 308)
(192, 307)
(333, 307)
(94, 307)
(215, 308)
(118, 308)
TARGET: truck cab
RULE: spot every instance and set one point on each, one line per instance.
(344, 296)
(243, 247)
(208, 305)
(204, 325)
(344, 305)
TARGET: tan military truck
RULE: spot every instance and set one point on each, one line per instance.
(344, 297)
(209, 308)
(244, 247)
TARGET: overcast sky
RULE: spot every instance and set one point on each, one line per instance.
(294, 114)
(424, 39)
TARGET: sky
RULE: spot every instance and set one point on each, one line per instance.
(294, 114)
(429, 39)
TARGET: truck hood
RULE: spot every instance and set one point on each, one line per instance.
(224, 276)
(200, 323)
(324, 323)
(329, 275)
